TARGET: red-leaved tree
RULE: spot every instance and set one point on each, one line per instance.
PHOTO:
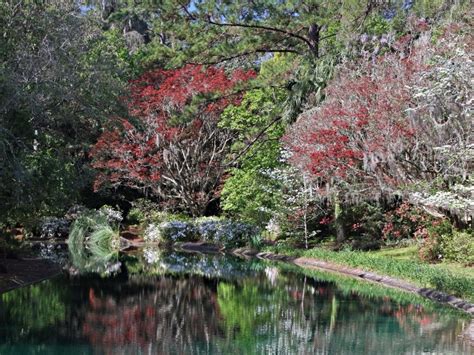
(386, 122)
(172, 146)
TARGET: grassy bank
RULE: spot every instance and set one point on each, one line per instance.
(448, 278)
(348, 285)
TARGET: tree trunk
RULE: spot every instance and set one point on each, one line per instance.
(338, 223)
(313, 36)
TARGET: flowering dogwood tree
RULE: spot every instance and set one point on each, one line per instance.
(172, 148)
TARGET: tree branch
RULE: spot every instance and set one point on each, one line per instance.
(260, 27)
(255, 140)
(243, 54)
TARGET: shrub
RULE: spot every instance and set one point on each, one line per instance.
(177, 231)
(406, 222)
(443, 242)
(135, 216)
(112, 215)
(430, 249)
(94, 242)
(146, 212)
(94, 229)
(229, 234)
(225, 233)
(458, 246)
(152, 233)
(52, 227)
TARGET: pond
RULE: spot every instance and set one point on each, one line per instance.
(154, 302)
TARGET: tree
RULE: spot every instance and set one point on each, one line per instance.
(174, 149)
(248, 193)
(58, 83)
(390, 133)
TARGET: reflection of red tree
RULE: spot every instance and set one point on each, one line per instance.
(172, 315)
(410, 315)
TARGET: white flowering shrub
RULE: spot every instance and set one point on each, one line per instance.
(177, 231)
(113, 216)
(226, 233)
(152, 255)
(52, 227)
(152, 233)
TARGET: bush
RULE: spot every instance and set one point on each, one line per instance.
(146, 212)
(227, 234)
(458, 246)
(92, 226)
(94, 242)
(430, 249)
(446, 243)
(406, 222)
(112, 215)
(177, 231)
(52, 227)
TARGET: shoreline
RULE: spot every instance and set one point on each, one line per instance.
(23, 272)
(26, 271)
(388, 281)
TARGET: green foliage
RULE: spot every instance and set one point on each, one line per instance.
(458, 247)
(146, 212)
(445, 243)
(35, 307)
(93, 243)
(216, 31)
(59, 81)
(363, 223)
(249, 194)
(47, 183)
(111, 47)
(377, 25)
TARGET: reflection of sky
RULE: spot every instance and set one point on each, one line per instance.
(85, 8)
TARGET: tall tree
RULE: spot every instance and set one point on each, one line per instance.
(58, 83)
(175, 150)
(399, 127)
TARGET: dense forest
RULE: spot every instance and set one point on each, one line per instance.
(338, 123)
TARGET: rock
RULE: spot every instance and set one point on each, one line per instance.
(202, 247)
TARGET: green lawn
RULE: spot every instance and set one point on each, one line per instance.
(405, 253)
(411, 253)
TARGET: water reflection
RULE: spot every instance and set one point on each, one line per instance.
(194, 304)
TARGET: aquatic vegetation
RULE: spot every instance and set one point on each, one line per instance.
(94, 244)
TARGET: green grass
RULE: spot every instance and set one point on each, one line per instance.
(93, 243)
(404, 253)
(411, 253)
(399, 264)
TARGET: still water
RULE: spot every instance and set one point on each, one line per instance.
(150, 302)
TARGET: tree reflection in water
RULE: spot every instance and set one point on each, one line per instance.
(195, 304)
